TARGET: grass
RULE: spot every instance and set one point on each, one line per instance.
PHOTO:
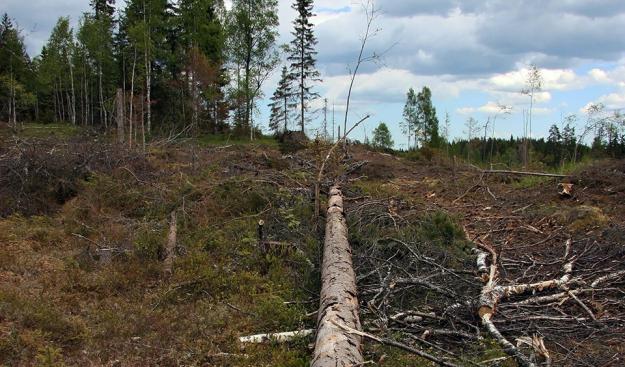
(40, 130)
(64, 301)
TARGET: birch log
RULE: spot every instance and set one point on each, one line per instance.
(335, 345)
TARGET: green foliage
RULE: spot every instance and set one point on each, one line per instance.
(382, 137)
(252, 33)
(420, 119)
(50, 357)
(281, 102)
(40, 314)
(302, 57)
(148, 242)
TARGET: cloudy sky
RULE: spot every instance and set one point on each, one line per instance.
(473, 54)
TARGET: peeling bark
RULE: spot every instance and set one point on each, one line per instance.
(336, 346)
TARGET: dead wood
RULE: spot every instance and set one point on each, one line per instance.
(275, 337)
(523, 173)
(334, 345)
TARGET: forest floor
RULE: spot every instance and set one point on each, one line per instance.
(83, 224)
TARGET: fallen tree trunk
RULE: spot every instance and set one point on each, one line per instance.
(335, 345)
(522, 173)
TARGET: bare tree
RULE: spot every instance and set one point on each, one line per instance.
(371, 14)
(501, 110)
(533, 84)
(472, 129)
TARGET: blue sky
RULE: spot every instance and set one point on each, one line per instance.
(472, 54)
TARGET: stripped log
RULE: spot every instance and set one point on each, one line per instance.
(275, 337)
(335, 345)
(170, 247)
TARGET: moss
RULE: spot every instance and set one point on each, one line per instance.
(582, 218)
(529, 182)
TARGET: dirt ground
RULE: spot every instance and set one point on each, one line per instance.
(81, 280)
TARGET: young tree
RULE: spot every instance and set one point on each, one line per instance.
(382, 137)
(472, 129)
(281, 103)
(302, 56)
(569, 138)
(427, 122)
(554, 142)
(410, 122)
(446, 132)
(252, 30)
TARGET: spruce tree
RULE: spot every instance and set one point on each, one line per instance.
(302, 56)
(281, 103)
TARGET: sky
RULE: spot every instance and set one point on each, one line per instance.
(473, 55)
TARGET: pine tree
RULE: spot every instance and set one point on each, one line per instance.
(302, 56)
(281, 103)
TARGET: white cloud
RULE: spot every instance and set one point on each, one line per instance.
(612, 101)
(599, 75)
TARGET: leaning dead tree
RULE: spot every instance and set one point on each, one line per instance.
(337, 344)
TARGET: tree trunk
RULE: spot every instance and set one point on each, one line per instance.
(103, 115)
(132, 98)
(142, 122)
(302, 107)
(338, 310)
(73, 102)
(119, 100)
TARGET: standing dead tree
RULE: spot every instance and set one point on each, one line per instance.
(336, 344)
(170, 247)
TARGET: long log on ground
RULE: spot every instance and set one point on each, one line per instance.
(522, 173)
(335, 345)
